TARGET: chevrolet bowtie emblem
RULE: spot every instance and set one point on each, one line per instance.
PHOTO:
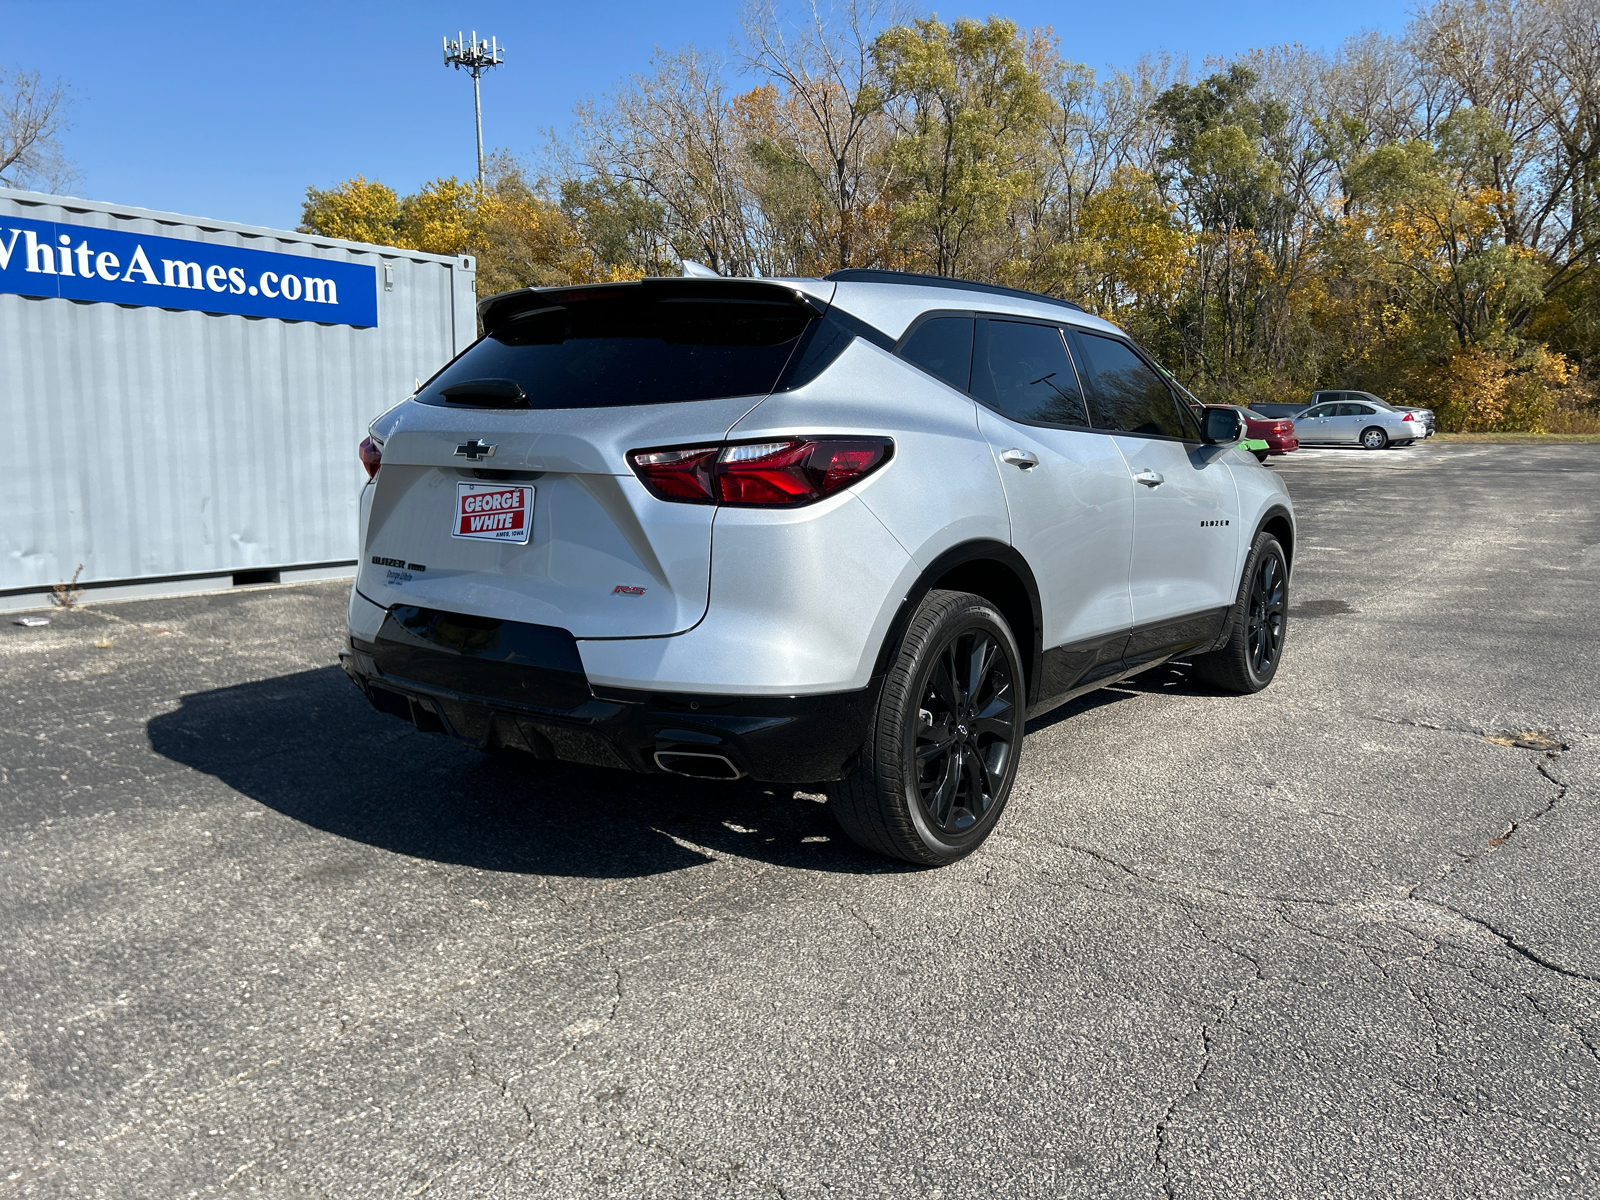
(474, 450)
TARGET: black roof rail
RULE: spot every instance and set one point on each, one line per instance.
(912, 279)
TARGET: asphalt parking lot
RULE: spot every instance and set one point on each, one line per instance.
(1338, 939)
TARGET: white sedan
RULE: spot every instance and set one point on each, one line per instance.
(1354, 423)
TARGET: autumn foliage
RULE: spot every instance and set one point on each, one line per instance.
(1416, 217)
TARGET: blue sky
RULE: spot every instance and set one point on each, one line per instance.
(229, 110)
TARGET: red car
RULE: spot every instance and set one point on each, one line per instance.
(1277, 433)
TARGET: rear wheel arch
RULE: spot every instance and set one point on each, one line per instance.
(990, 569)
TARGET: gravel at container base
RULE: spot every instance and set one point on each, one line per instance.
(1337, 939)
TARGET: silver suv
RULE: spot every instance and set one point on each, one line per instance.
(853, 530)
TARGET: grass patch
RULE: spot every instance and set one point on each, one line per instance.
(1538, 439)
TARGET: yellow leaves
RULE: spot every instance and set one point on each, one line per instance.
(519, 238)
(444, 217)
(756, 113)
(355, 210)
(1133, 249)
(1479, 391)
(975, 108)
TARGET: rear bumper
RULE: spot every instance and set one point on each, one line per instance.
(503, 683)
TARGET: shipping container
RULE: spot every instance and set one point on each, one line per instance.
(182, 398)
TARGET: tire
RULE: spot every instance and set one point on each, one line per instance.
(941, 755)
(1259, 621)
(1374, 438)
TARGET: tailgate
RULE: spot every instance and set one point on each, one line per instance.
(595, 553)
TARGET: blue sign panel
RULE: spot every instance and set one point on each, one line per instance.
(78, 262)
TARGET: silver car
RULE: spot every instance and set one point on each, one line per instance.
(853, 530)
(1356, 423)
(1421, 424)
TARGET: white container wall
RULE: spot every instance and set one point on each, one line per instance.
(152, 442)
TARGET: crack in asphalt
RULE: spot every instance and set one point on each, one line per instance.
(1208, 1033)
(849, 907)
(1494, 844)
(1280, 910)
(1264, 897)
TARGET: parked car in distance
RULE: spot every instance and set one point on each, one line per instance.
(1424, 415)
(939, 508)
(1278, 433)
(1280, 411)
(1356, 423)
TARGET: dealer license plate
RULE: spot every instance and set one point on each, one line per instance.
(493, 512)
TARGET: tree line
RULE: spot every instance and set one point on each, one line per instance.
(1415, 216)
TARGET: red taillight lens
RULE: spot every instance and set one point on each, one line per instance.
(677, 474)
(766, 473)
(1407, 417)
(371, 455)
(782, 474)
(1283, 427)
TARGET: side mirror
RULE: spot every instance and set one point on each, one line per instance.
(1221, 425)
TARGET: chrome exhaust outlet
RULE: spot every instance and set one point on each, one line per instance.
(697, 765)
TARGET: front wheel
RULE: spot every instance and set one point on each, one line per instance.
(1249, 661)
(941, 754)
(1374, 438)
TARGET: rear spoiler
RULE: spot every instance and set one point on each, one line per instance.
(495, 311)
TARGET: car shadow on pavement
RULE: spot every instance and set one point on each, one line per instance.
(1084, 703)
(309, 746)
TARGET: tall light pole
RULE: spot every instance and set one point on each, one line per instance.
(475, 57)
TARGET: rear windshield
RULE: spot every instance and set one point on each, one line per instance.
(607, 351)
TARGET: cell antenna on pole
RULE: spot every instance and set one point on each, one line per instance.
(475, 58)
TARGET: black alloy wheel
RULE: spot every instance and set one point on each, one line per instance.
(942, 750)
(965, 731)
(1258, 625)
(1268, 607)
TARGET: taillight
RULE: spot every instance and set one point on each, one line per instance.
(677, 474)
(1283, 427)
(371, 455)
(1407, 417)
(775, 474)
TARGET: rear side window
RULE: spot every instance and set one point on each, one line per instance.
(1125, 392)
(602, 352)
(1022, 371)
(942, 346)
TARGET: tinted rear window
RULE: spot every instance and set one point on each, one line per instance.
(942, 346)
(1022, 370)
(605, 352)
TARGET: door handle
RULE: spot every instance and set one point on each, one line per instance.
(1019, 458)
(1150, 478)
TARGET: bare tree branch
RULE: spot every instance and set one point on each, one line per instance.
(32, 118)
